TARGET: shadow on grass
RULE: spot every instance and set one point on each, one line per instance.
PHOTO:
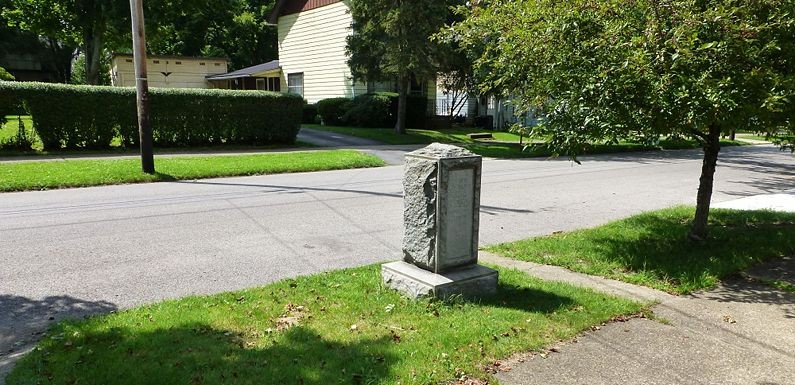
(161, 177)
(197, 353)
(658, 246)
(519, 298)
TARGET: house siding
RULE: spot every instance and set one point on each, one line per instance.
(189, 73)
(313, 43)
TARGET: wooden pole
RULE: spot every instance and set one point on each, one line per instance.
(142, 86)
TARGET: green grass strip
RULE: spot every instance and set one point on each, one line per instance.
(81, 173)
(341, 327)
(652, 249)
(505, 145)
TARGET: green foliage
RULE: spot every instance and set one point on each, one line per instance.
(4, 75)
(236, 29)
(392, 41)
(79, 71)
(88, 24)
(615, 69)
(376, 110)
(371, 110)
(310, 115)
(91, 117)
(333, 110)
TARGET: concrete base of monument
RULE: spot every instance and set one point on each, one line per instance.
(470, 282)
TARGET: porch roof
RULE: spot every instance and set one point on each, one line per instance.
(248, 72)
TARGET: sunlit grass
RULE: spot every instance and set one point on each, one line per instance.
(652, 249)
(341, 327)
(81, 173)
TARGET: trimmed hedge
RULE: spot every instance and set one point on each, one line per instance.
(333, 110)
(66, 116)
(377, 110)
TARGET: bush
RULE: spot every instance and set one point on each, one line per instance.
(67, 116)
(310, 114)
(4, 75)
(371, 110)
(333, 110)
(379, 110)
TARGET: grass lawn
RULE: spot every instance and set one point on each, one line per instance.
(651, 249)
(753, 137)
(505, 145)
(10, 129)
(388, 135)
(80, 173)
(340, 327)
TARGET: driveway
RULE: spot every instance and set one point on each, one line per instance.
(83, 251)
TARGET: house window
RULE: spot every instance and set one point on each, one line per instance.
(178, 63)
(262, 85)
(156, 61)
(275, 84)
(295, 84)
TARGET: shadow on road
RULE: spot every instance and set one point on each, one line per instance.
(24, 320)
(302, 189)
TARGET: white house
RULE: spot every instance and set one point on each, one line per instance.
(312, 41)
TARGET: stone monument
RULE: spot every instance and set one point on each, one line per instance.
(442, 216)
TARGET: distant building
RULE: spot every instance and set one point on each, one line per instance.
(29, 68)
(168, 71)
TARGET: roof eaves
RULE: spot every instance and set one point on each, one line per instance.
(273, 18)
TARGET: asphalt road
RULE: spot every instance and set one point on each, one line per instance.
(82, 251)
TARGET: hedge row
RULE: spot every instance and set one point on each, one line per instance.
(71, 117)
(377, 110)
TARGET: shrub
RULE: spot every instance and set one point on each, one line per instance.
(333, 110)
(310, 114)
(367, 106)
(67, 116)
(370, 110)
(4, 75)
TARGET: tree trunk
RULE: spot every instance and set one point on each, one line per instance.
(403, 92)
(704, 198)
(93, 50)
(61, 55)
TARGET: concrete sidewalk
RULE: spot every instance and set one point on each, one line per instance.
(784, 201)
(741, 332)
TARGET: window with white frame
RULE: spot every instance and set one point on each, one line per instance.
(295, 84)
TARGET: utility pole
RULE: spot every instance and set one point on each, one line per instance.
(142, 86)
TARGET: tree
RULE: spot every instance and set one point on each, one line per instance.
(391, 40)
(236, 29)
(613, 69)
(53, 55)
(89, 24)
